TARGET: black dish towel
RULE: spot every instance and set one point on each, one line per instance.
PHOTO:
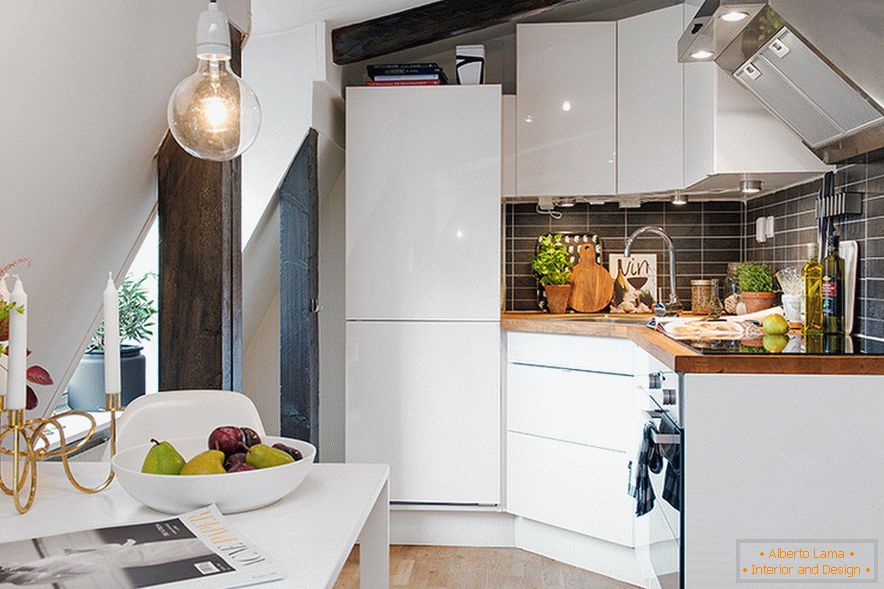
(672, 478)
(649, 460)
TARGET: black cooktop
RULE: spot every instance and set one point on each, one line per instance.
(829, 345)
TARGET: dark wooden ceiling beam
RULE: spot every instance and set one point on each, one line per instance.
(427, 24)
(200, 280)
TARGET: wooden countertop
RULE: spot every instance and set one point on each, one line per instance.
(681, 358)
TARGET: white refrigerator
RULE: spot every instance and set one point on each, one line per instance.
(423, 290)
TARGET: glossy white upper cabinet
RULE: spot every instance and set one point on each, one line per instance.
(423, 203)
(567, 108)
(729, 133)
(509, 147)
(650, 100)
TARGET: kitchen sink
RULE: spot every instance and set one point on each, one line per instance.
(617, 318)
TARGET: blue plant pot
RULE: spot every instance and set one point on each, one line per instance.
(86, 389)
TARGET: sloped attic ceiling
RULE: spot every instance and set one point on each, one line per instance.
(82, 112)
(274, 16)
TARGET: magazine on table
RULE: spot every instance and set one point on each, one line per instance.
(194, 550)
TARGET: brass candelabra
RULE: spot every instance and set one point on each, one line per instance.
(30, 445)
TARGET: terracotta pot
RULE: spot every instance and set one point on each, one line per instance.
(758, 301)
(557, 296)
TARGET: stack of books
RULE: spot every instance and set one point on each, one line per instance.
(411, 74)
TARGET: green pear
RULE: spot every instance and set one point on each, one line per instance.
(261, 456)
(208, 462)
(163, 458)
(776, 324)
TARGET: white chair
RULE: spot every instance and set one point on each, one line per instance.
(183, 414)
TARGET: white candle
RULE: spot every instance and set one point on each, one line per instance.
(4, 298)
(18, 349)
(111, 338)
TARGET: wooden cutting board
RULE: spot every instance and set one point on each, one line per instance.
(592, 285)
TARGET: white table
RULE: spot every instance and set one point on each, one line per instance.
(310, 533)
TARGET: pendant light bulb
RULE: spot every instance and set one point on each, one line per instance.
(679, 200)
(213, 114)
(751, 186)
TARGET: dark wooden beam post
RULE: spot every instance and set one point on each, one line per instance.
(200, 286)
(427, 24)
(298, 296)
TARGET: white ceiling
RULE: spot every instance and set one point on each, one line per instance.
(274, 16)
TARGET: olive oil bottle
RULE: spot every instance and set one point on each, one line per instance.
(813, 294)
(833, 289)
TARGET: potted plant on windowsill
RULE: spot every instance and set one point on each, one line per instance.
(552, 265)
(137, 312)
(758, 286)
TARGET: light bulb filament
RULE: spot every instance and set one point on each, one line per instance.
(215, 113)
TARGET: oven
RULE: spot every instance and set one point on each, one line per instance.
(660, 545)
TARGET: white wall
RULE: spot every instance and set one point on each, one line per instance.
(281, 68)
(299, 88)
(261, 378)
(273, 16)
(82, 109)
(261, 318)
(332, 313)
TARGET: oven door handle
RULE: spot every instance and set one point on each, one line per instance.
(657, 437)
(672, 439)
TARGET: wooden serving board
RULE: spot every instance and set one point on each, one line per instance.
(592, 285)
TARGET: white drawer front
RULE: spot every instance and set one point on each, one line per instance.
(570, 405)
(599, 354)
(570, 486)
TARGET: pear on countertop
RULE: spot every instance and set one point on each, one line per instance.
(163, 458)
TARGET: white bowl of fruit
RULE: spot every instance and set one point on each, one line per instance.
(235, 469)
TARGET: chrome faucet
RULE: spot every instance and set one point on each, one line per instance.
(673, 305)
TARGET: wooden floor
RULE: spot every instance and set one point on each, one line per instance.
(439, 567)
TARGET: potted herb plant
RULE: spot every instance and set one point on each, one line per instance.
(552, 265)
(758, 286)
(137, 313)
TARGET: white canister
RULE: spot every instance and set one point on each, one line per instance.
(470, 64)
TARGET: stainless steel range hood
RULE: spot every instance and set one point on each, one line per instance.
(818, 65)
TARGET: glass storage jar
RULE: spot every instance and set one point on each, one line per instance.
(703, 295)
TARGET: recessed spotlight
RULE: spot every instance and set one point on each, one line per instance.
(679, 200)
(566, 203)
(751, 186)
(566, 106)
(702, 54)
(529, 119)
(734, 16)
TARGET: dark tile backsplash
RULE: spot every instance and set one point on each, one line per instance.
(707, 236)
(794, 212)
